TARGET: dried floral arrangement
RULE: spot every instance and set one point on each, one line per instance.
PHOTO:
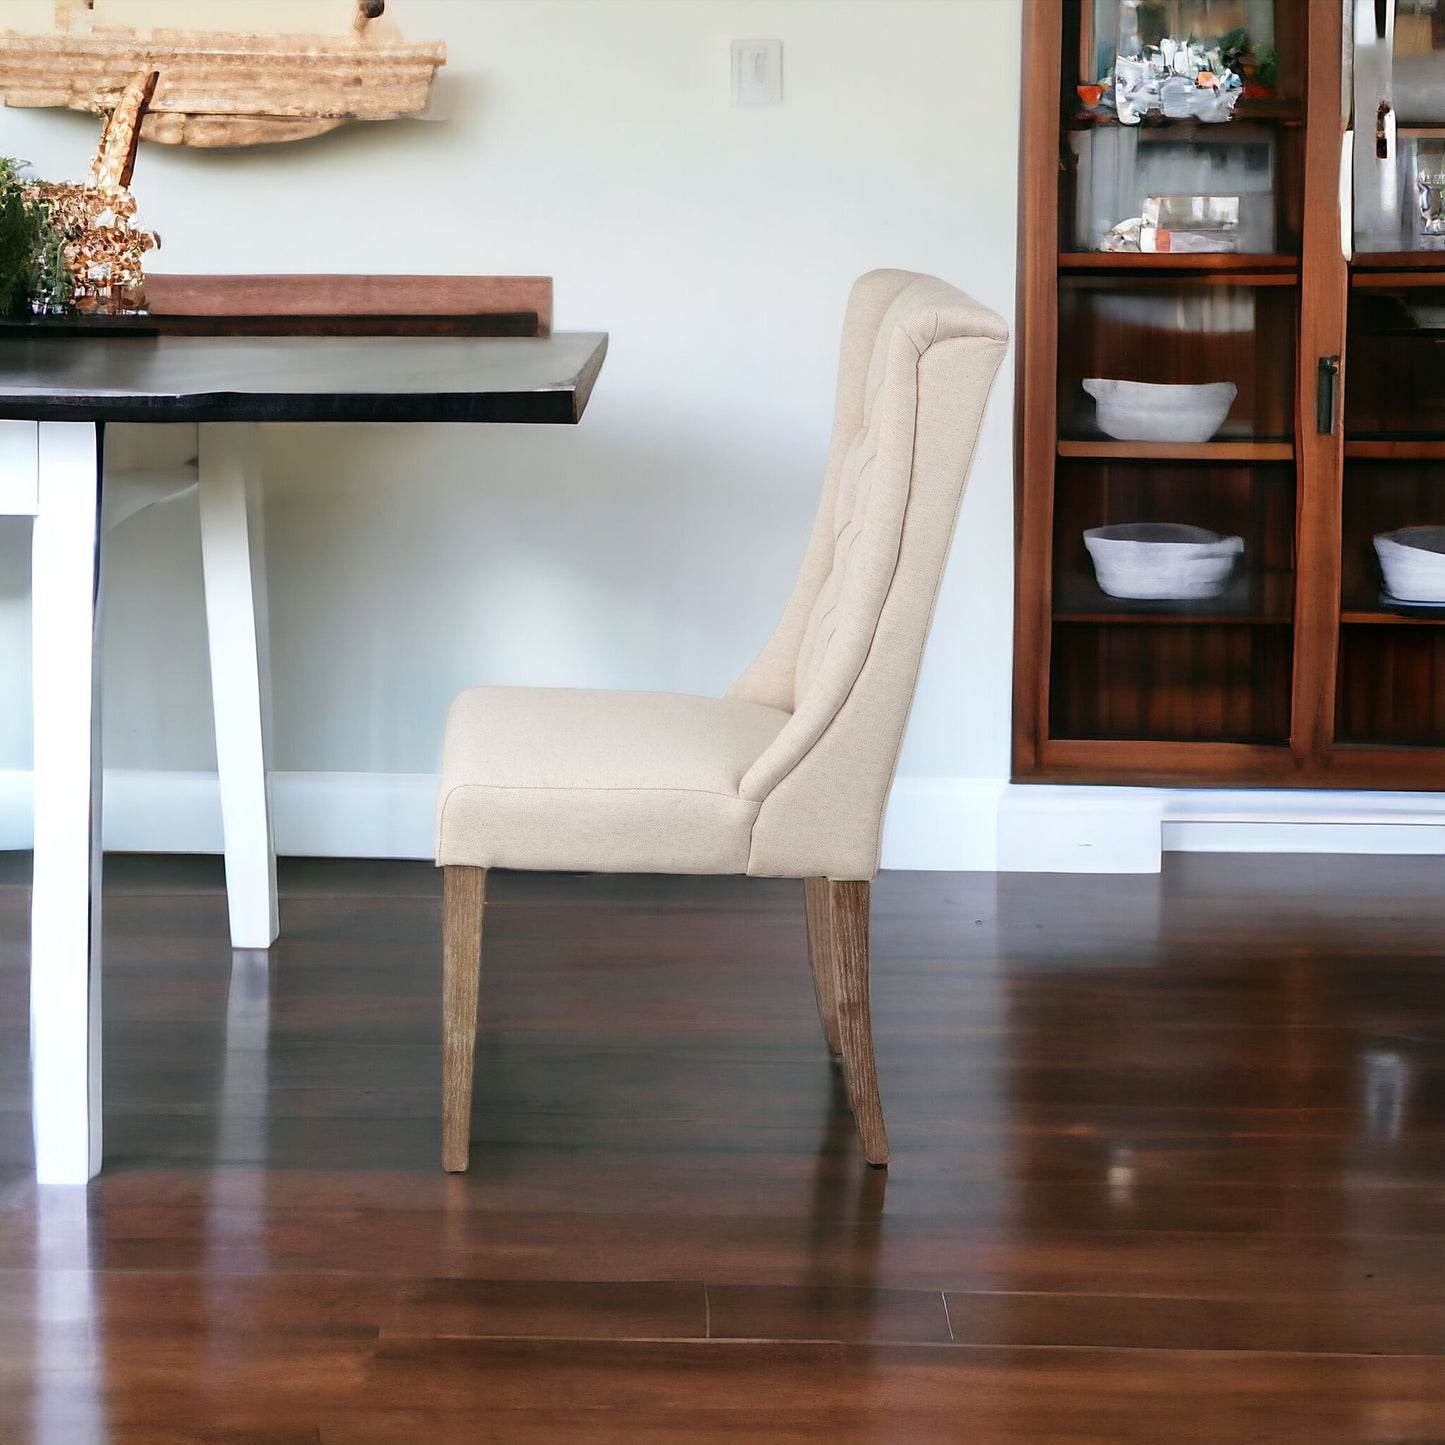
(66, 246)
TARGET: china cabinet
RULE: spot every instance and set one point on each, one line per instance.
(1320, 296)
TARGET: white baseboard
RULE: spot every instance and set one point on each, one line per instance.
(355, 815)
(17, 807)
(951, 824)
(316, 815)
(1279, 821)
(1044, 828)
(945, 823)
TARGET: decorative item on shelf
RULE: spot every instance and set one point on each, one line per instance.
(1143, 411)
(1180, 78)
(1412, 560)
(100, 246)
(1427, 164)
(1124, 236)
(1161, 561)
(1430, 192)
(1190, 224)
(224, 88)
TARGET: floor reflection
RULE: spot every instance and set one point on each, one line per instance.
(68, 1392)
(242, 1116)
(235, 1224)
(844, 1224)
(1387, 1085)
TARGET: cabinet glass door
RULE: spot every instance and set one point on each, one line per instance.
(1399, 146)
(1390, 674)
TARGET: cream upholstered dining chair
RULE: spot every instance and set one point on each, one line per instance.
(787, 776)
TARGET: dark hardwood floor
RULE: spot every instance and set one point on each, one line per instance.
(1168, 1165)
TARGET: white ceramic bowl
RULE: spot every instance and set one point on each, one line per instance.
(1162, 561)
(1413, 561)
(1143, 411)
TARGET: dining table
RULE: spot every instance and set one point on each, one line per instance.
(227, 374)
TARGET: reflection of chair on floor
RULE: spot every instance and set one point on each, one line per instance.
(788, 775)
(226, 469)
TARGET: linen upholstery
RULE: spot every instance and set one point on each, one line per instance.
(795, 784)
(562, 778)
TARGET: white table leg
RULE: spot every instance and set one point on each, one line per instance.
(233, 564)
(65, 902)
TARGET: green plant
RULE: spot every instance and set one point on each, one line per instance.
(19, 240)
(1234, 46)
(1266, 65)
(32, 261)
(1241, 55)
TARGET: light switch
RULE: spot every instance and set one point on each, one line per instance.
(757, 72)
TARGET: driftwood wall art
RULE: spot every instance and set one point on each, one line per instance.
(222, 89)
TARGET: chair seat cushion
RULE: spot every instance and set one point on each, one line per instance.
(615, 782)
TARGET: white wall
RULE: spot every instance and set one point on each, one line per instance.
(653, 545)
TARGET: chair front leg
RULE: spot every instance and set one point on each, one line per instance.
(820, 956)
(848, 943)
(464, 896)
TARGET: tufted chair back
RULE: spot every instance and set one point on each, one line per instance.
(918, 361)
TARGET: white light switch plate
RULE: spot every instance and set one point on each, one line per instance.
(757, 72)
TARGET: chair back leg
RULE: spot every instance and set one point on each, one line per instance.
(464, 896)
(820, 955)
(848, 943)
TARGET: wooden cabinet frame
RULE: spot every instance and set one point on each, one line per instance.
(1309, 754)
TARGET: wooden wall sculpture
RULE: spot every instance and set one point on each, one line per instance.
(219, 88)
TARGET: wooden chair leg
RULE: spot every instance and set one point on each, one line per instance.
(848, 944)
(464, 896)
(820, 955)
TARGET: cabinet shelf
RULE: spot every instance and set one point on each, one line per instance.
(1421, 618)
(1228, 451)
(1205, 618)
(1406, 449)
(1258, 599)
(1243, 268)
(1429, 274)
(1366, 266)
(1286, 112)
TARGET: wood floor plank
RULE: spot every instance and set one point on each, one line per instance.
(826, 1313)
(1351, 1323)
(1031, 1393)
(561, 1309)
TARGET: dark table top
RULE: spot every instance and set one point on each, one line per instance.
(119, 377)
